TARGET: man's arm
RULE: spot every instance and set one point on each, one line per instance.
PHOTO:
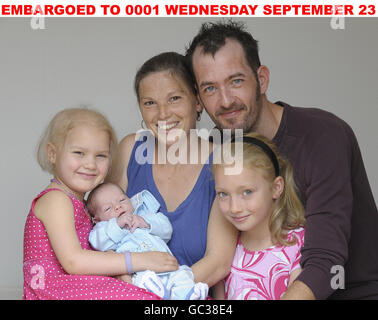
(329, 205)
(298, 291)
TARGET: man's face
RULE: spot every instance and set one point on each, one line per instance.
(228, 87)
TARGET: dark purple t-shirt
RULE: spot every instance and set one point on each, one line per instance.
(341, 215)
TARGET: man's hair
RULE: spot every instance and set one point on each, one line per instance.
(212, 37)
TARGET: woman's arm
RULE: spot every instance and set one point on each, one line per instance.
(55, 211)
(118, 171)
(220, 250)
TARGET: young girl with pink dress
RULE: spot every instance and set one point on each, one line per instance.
(261, 202)
(77, 148)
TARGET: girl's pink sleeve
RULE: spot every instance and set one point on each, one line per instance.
(297, 249)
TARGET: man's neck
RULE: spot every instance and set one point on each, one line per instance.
(270, 119)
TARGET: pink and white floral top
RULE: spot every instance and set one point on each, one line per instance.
(263, 275)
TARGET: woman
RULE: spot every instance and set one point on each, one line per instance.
(173, 171)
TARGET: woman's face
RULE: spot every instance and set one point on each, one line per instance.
(168, 106)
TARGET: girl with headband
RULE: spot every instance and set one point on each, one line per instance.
(262, 203)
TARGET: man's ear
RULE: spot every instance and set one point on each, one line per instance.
(51, 152)
(263, 75)
(278, 187)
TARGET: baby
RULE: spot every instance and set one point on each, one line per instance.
(135, 225)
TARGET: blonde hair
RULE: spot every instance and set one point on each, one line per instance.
(66, 120)
(288, 212)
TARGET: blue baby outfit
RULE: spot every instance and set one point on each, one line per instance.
(190, 219)
(107, 235)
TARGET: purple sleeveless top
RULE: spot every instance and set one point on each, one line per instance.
(190, 219)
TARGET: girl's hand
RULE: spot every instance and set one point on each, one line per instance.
(138, 222)
(155, 261)
(125, 277)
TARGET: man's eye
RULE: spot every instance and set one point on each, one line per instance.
(209, 89)
(80, 153)
(237, 81)
(247, 192)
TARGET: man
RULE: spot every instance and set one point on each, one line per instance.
(341, 215)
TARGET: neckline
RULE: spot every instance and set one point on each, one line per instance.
(152, 186)
(245, 250)
(279, 134)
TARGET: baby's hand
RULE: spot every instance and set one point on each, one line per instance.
(138, 222)
(124, 220)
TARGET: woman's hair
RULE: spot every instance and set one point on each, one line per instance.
(66, 120)
(172, 62)
(288, 212)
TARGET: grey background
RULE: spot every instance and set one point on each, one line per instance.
(92, 61)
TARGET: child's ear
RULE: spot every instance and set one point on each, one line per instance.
(278, 187)
(51, 152)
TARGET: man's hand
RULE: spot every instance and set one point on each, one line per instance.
(298, 291)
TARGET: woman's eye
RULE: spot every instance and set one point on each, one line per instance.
(148, 103)
(247, 192)
(175, 98)
(222, 195)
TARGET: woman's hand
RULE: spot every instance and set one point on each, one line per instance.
(155, 261)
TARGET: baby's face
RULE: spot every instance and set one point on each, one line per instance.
(110, 202)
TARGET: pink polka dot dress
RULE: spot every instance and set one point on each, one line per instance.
(44, 277)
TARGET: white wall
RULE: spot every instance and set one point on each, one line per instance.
(93, 61)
